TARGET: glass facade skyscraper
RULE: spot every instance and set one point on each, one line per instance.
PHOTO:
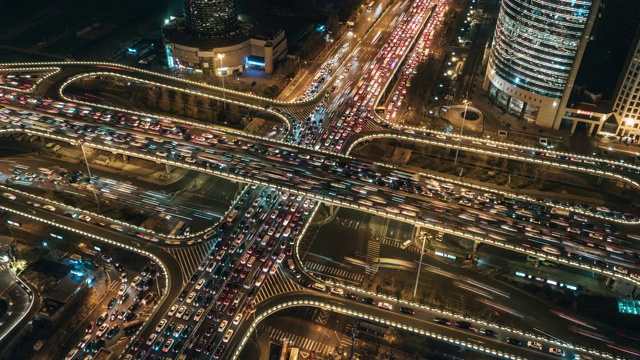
(210, 18)
(536, 46)
(627, 102)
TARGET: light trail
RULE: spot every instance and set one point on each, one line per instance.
(472, 289)
(500, 307)
(572, 319)
(488, 288)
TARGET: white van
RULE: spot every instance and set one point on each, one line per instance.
(319, 287)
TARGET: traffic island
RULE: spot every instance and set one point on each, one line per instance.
(465, 116)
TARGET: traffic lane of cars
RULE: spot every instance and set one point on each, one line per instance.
(168, 130)
(229, 320)
(62, 180)
(270, 157)
(186, 311)
(121, 275)
(241, 170)
(615, 165)
(216, 137)
(231, 313)
(385, 63)
(115, 317)
(402, 320)
(174, 272)
(270, 151)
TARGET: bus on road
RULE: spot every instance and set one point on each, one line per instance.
(251, 278)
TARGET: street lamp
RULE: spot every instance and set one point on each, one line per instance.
(224, 94)
(415, 288)
(86, 162)
(464, 118)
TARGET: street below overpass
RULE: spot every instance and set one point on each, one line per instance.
(422, 323)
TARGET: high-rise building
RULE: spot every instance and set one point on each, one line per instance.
(535, 55)
(626, 106)
(210, 18)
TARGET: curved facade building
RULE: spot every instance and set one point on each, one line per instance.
(210, 18)
(536, 51)
(209, 40)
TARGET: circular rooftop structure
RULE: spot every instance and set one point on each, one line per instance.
(472, 119)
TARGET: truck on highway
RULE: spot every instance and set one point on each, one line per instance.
(561, 212)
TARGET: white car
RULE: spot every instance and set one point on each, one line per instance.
(199, 284)
(181, 311)
(237, 319)
(191, 296)
(228, 335)
(178, 330)
(172, 310)
(102, 330)
(161, 325)
(116, 227)
(122, 290)
(556, 351)
(167, 345)
(337, 291)
(49, 207)
(198, 314)
(84, 341)
(223, 325)
(534, 345)
(385, 305)
(84, 218)
(9, 196)
(151, 339)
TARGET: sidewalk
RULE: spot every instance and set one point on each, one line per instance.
(524, 133)
(520, 131)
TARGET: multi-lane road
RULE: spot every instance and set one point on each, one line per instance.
(305, 167)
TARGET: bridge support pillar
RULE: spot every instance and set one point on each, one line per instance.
(241, 187)
(599, 181)
(332, 211)
(167, 169)
(125, 158)
(474, 249)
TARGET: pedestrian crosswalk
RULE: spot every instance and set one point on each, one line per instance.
(476, 269)
(398, 244)
(333, 272)
(189, 258)
(373, 254)
(303, 343)
(346, 336)
(114, 286)
(278, 283)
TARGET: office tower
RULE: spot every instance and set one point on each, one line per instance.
(535, 55)
(210, 18)
(626, 106)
